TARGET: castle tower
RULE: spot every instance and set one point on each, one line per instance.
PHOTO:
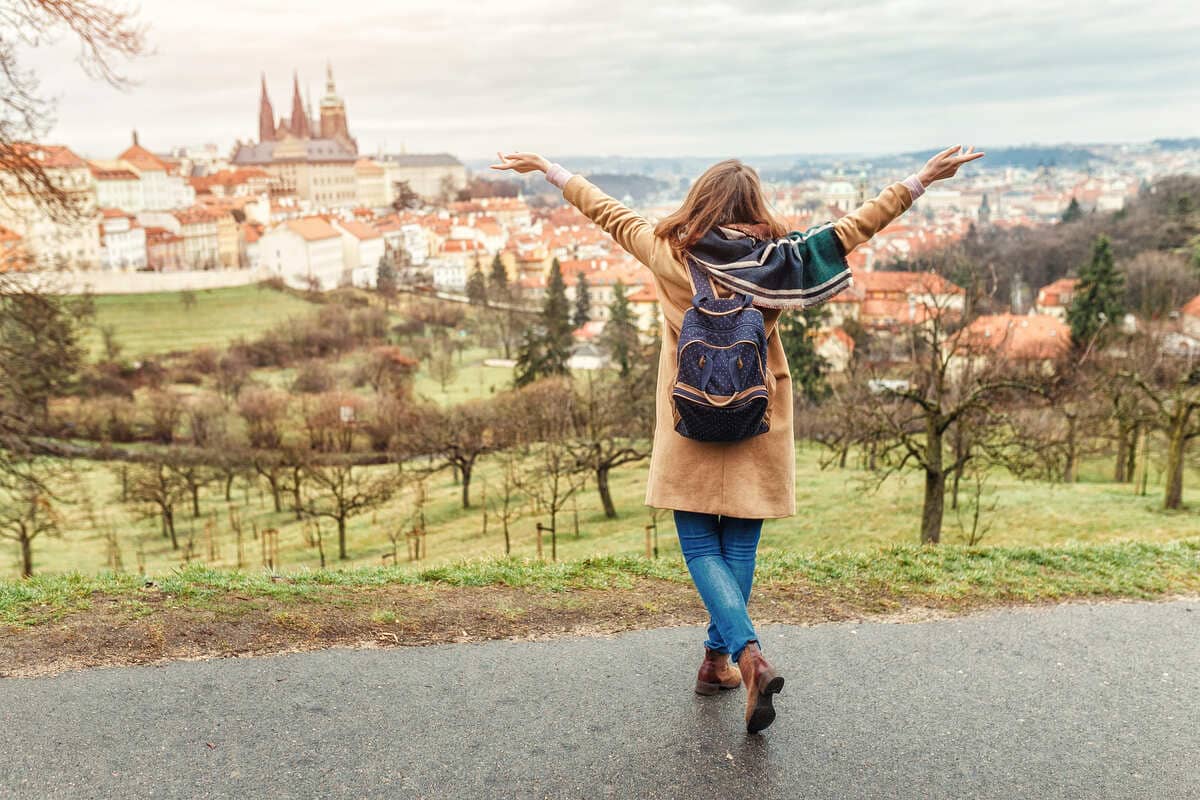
(333, 113)
(266, 115)
(299, 120)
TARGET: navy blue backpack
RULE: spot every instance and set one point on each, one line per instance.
(721, 388)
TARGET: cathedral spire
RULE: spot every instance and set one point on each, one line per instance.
(299, 120)
(266, 115)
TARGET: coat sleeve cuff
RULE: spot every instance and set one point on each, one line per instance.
(915, 187)
(558, 175)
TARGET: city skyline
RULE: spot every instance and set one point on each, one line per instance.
(569, 79)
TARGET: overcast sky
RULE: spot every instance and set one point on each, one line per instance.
(653, 77)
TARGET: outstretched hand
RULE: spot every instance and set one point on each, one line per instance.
(521, 162)
(945, 164)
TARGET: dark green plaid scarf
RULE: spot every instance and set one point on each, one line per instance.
(794, 271)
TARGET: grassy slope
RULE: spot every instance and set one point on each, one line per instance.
(160, 322)
(835, 512)
(949, 575)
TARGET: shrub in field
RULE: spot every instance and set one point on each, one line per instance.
(165, 411)
(265, 413)
(331, 420)
(207, 419)
(313, 377)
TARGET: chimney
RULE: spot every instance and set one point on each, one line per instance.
(135, 141)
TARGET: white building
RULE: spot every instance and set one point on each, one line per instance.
(430, 175)
(117, 186)
(449, 275)
(304, 252)
(362, 249)
(162, 187)
(371, 187)
(122, 241)
(67, 243)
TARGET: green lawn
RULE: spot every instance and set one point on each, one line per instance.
(162, 322)
(836, 512)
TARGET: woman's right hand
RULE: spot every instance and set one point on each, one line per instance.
(522, 162)
(945, 164)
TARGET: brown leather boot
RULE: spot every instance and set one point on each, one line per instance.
(761, 683)
(716, 673)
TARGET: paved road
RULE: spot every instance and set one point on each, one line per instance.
(1072, 702)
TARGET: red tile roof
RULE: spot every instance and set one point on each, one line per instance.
(1192, 307)
(312, 229)
(48, 155)
(1058, 293)
(359, 230)
(143, 159)
(1019, 336)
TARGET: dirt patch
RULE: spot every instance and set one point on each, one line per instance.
(153, 628)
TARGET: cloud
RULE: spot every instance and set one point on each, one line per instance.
(653, 78)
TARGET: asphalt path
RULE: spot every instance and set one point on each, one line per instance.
(1074, 701)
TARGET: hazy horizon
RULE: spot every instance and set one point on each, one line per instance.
(667, 80)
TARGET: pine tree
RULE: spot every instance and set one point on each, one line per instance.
(477, 289)
(620, 335)
(498, 280)
(556, 322)
(797, 334)
(1073, 211)
(385, 278)
(583, 301)
(531, 359)
(1097, 303)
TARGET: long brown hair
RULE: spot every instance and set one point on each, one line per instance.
(728, 192)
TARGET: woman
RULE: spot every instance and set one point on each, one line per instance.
(721, 492)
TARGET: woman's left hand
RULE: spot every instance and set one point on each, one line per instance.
(522, 162)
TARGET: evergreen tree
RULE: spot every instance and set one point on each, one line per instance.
(620, 335)
(498, 280)
(385, 278)
(583, 301)
(477, 289)
(797, 334)
(1073, 211)
(531, 358)
(1097, 302)
(556, 322)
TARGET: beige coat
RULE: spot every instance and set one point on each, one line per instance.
(752, 478)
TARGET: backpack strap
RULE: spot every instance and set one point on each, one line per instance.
(704, 292)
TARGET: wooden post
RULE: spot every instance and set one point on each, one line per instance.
(539, 541)
(649, 552)
(270, 548)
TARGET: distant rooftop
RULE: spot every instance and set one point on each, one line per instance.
(314, 150)
(421, 160)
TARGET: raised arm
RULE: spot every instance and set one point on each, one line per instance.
(629, 228)
(874, 215)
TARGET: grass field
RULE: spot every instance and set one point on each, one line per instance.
(161, 322)
(836, 512)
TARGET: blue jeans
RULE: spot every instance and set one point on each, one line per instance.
(720, 553)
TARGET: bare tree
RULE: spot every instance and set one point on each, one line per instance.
(503, 501)
(340, 491)
(1171, 385)
(159, 489)
(949, 380)
(613, 431)
(548, 422)
(27, 508)
(457, 437)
